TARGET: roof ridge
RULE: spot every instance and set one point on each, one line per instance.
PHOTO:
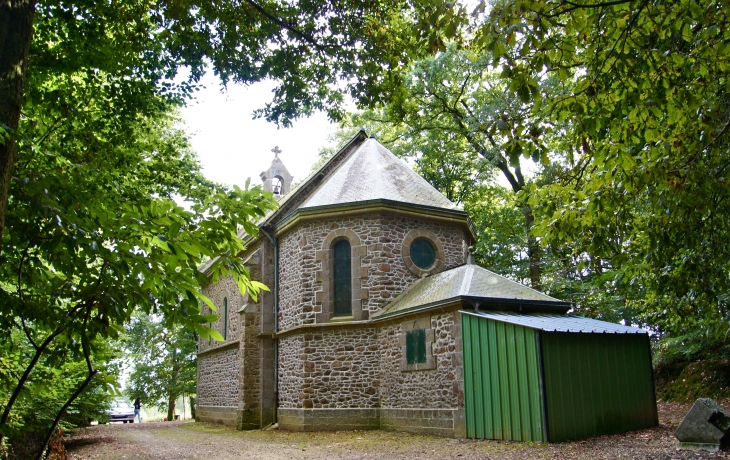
(360, 135)
(374, 172)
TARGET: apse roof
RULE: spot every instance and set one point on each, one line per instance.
(468, 282)
(372, 172)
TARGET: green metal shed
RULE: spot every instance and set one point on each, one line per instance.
(554, 377)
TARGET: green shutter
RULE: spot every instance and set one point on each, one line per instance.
(342, 279)
(410, 348)
(416, 346)
(421, 345)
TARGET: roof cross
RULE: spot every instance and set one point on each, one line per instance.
(276, 151)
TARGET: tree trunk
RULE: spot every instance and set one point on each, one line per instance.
(533, 250)
(26, 375)
(171, 408)
(63, 410)
(16, 30)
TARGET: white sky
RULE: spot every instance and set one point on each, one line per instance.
(232, 146)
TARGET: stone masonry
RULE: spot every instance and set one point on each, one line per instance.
(338, 372)
(387, 273)
(356, 369)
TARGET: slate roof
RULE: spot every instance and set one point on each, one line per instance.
(470, 282)
(558, 323)
(372, 172)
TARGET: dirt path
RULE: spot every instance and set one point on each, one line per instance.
(184, 440)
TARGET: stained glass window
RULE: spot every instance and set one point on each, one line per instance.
(342, 279)
(416, 346)
(423, 254)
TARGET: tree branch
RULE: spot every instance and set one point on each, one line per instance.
(26, 375)
(306, 37)
(77, 393)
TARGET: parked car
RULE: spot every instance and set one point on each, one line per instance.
(121, 411)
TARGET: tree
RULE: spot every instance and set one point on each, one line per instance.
(56, 378)
(94, 235)
(458, 97)
(308, 48)
(643, 183)
(164, 362)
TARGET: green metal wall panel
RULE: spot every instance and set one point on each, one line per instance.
(597, 384)
(503, 398)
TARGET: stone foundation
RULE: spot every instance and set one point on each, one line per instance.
(222, 415)
(329, 419)
(440, 422)
(248, 419)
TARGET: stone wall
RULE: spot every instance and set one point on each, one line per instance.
(224, 288)
(218, 373)
(332, 369)
(217, 414)
(439, 388)
(291, 369)
(387, 272)
(349, 377)
(354, 379)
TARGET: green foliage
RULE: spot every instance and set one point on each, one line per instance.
(645, 153)
(164, 362)
(92, 230)
(501, 236)
(308, 48)
(51, 384)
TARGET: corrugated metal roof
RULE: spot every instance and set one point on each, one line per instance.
(558, 323)
(464, 281)
(372, 172)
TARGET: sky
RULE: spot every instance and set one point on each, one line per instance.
(232, 146)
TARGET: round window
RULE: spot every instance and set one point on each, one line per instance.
(423, 254)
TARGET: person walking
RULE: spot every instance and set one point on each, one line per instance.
(137, 409)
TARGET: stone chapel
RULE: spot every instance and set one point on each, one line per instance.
(370, 276)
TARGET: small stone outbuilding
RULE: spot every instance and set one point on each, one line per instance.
(369, 272)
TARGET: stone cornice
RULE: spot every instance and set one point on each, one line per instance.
(453, 304)
(302, 215)
(334, 325)
(225, 346)
(371, 323)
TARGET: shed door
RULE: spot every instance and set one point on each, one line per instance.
(502, 389)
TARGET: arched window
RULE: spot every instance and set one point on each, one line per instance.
(342, 277)
(225, 318)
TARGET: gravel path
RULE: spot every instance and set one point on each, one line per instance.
(187, 440)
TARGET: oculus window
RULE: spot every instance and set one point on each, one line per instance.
(423, 254)
(342, 279)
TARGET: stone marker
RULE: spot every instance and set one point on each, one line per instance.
(705, 426)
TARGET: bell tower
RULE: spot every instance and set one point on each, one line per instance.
(277, 178)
